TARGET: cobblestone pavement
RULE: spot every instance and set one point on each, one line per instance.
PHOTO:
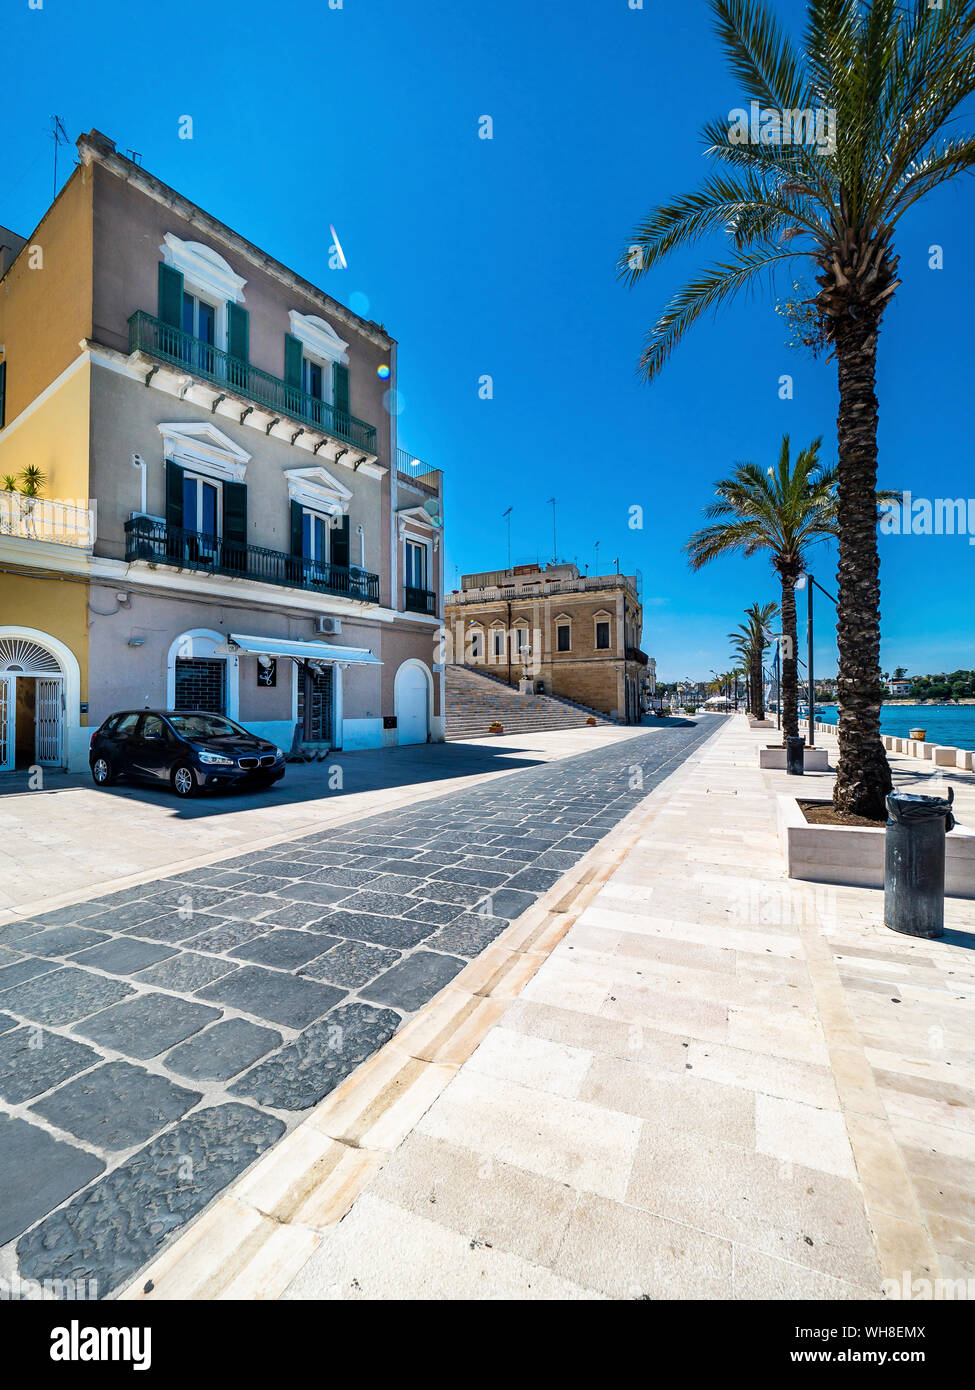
(154, 1042)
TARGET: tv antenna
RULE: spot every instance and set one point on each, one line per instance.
(60, 137)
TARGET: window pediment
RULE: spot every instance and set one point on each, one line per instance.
(204, 269)
(204, 448)
(319, 337)
(317, 489)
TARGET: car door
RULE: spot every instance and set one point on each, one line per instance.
(152, 748)
(118, 741)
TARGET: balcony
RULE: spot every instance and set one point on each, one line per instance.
(44, 519)
(420, 601)
(157, 339)
(155, 543)
(635, 654)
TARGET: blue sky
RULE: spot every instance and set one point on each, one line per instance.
(498, 258)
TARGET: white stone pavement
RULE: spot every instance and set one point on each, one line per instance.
(718, 1084)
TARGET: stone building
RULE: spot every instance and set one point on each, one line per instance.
(551, 629)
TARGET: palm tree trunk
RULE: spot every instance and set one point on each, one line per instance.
(790, 670)
(863, 774)
(757, 700)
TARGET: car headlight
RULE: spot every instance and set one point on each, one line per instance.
(207, 757)
(279, 752)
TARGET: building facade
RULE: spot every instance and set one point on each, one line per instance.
(574, 636)
(224, 518)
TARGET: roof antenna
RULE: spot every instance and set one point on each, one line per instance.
(60, 137)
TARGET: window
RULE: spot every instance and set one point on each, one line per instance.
(521, 638)
(201, 505)
(564, 637)
(204, 726)
(415, 568)
(477, 644)
(497, 641)
(602, 637)
(125, 725)
(312, 378)
(314, 536)
(200, 684)
(200, 323)
(154, 727)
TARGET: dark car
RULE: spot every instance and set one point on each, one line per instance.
(188, 749)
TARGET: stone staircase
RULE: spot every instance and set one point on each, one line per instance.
(474, 700)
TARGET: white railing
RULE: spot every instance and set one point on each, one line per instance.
(495, 593)
(47, 519)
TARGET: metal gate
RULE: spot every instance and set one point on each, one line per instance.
(315, 700)
(50, 704)
(6, 724)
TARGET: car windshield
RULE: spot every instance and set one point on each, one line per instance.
(204, 725)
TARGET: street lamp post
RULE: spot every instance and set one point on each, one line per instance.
(807, 582)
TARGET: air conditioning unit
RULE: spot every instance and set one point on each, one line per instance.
(331, 626)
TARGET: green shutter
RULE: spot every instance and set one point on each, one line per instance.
(174, 494)
(3, 394)
(340, 387)
(340, 545)
(170, 296)
(238, 332)
(297, 528)
(292, 361)
(235, 512)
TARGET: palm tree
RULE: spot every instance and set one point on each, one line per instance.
(750, 640)
(887, 77)
(782, 511)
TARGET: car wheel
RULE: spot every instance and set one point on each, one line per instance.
(101, 773)
(184, 783)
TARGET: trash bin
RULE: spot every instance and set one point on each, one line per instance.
(914, 862)
(794, 754)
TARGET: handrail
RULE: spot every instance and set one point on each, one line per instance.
(158, 339)
(157, 543)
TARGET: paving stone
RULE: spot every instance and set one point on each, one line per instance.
(26, 968)
(223, 1050)
(12, 933)
(124, 916)
(341, 877)
(61, 941)
(319, 1059)
(440, 857)
(284, 948)
(63, 996)
(286, 868)
(351, 963)
(558, 859)
(185, 972)
(193, 897)
(272, 995)
(122, 955)
(396, 932)
(469, 935)
(509, 902)
(414, 980)
(171, 927)
(33, 1061)
(147, 1025)
(116, 1106)
(39, 1173)
(535, 879)
(439, 913)
(478, 878)
(439, 890)
(504, 867)
(244, 908)
(7, 1021)
(291, 914)
(383, 904)
(321, 893)
(395, 883)
(115, 1226)
(226, 936)
(67, 916)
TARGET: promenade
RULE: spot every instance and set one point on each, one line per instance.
(717, 1084)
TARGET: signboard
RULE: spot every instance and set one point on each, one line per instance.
(268, 675)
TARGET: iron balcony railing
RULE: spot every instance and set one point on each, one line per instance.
(157, 339)
(159, 544)
(409, 466)
(421, 601)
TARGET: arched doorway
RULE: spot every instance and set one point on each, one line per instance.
(32, 702)
(413, 702)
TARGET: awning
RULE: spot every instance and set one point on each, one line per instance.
(305, 651)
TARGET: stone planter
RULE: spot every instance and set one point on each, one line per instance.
(495, 727)
(919, 734)
(591, 721)
(854, 855)
(814, 759)
(760, 723)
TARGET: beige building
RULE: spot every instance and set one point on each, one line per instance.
(225, 516)
(555, 631)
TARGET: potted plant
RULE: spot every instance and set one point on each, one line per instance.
(591, 719)
(495, 727)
